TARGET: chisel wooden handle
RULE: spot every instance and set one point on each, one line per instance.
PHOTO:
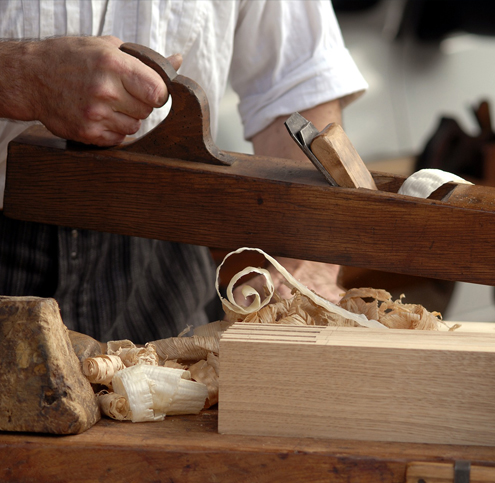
(338, 156)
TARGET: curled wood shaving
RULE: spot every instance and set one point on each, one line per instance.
(174, 364)
(101, 369)
(213, 361)
(114, 405)
(190, 398)
(206, 339)
(203, 372)
(133, 383)
(209, 343)
(180, 349)
(137, 355)
(393, 314)
(232, 307)
(213, 329)
(115, 345)
(247, 291)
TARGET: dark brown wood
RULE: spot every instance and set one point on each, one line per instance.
(281, 206)
(174, 184)
(189, 449)
(185, 132)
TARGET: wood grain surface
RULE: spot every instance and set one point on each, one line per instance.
(336, 153)
(189, 449)
(281, 206)
(351, 383)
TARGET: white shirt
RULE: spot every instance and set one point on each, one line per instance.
(282, 55)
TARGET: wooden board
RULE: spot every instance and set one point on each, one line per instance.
(189, 449)
(353, 383)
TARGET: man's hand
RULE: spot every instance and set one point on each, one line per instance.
(81, 88)
(319, 277)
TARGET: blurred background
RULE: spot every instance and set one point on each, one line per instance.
(424, 60)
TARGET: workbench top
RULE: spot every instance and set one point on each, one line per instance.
(189, 448)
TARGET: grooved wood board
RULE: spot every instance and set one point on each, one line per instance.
(354, 383)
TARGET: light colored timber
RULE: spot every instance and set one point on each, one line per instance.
(336, 153)
(356, 383)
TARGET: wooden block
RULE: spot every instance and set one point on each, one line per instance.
(356, 383)
(336, 153)
(43, 387)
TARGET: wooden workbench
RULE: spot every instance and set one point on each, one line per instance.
(189, 449)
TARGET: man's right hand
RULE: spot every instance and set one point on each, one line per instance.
(81, 88)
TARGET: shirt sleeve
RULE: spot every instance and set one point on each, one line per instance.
(289, 56)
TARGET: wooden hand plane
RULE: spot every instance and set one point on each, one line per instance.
(175, 184)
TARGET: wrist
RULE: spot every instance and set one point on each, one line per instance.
(19, 79)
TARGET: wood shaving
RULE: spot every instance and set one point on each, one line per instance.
(115, 345)
(114, 405)
(136, 355)
(101, 369)
(232, 307)
(214, 361)
(174, 364)
(180, 349)
(363, 307)
(203, 372)
(206, 339)
(394, 314)
(213, 329)
(145, 391)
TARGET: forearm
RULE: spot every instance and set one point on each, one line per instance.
(17, 79)
(276, 141)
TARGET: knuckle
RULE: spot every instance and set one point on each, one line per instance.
(144, 111)
(94, 113)
(88, 135)
(103, 91)
(133, 126)
(156, 94)
(107, 60)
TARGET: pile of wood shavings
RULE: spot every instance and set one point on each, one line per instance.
(374, 304)
(195, 358)
(362, 307)
(378, 304)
